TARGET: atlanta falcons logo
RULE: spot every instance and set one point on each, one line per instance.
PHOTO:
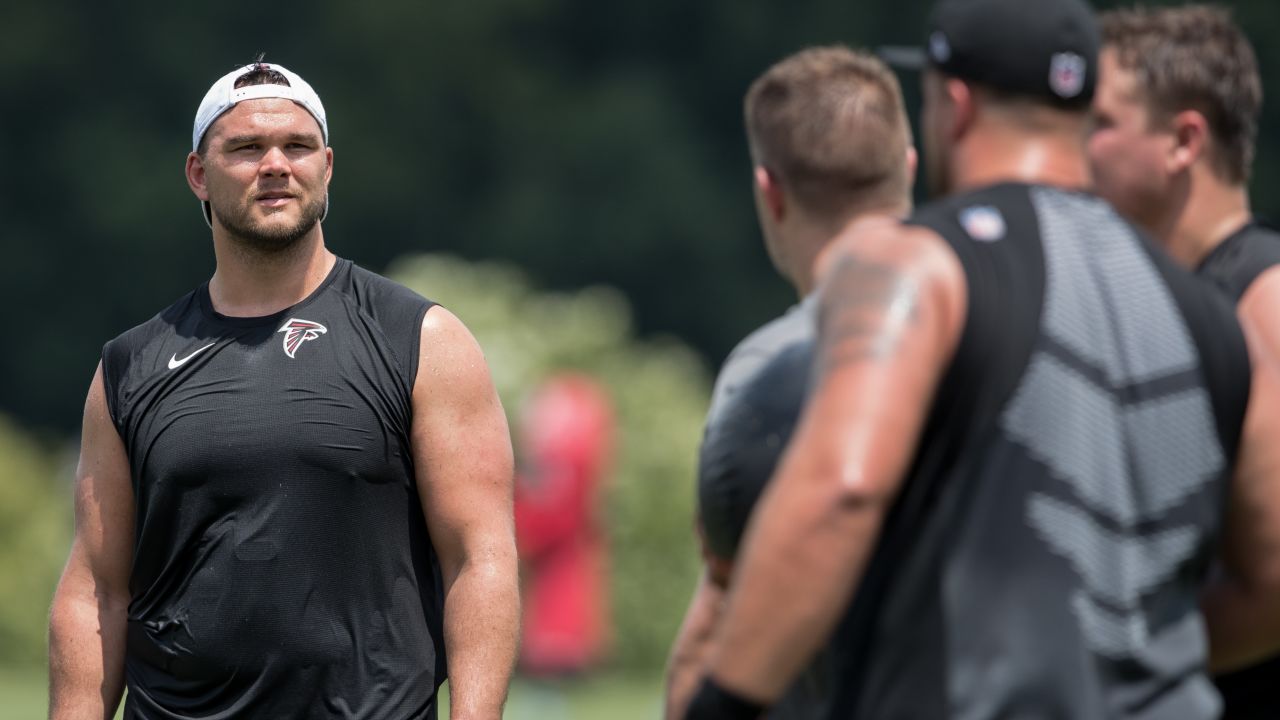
(298, 331)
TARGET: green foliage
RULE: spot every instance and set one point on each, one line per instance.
(586, 142)
(35, 532)
(659, 389)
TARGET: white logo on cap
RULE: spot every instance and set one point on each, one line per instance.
(939, 47)
(983, 222)
(1066, 74)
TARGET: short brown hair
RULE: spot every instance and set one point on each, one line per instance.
(1194, 58)
(830, 122)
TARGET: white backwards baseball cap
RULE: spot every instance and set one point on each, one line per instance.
(224, 95)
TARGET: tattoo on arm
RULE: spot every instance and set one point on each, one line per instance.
(864, 308)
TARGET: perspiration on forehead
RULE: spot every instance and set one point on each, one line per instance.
(1193, 58)
(262, 116)
(831, 123)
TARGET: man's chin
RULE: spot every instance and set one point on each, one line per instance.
(271, 237)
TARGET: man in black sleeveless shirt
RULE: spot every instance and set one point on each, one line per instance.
(1175, 121)
(1004, 496)
(294, 490)
(830, 142)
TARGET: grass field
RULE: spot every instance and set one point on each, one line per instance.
(23, 696)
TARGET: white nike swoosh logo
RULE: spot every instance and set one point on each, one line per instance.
(175, 363)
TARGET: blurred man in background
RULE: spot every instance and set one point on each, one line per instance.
(1172, 145)
(566, 449)
(294, 490)
(1004, 495)
(830, 143)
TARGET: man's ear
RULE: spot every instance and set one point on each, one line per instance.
(196, 178)
(1190, 140)
(771, 194)
(964, 110)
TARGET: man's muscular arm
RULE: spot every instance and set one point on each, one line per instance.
(1242, 604)
(690, 652)
(464, 468)
(892, 305)
(88, 619)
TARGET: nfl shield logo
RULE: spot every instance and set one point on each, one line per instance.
(983, 222)
(939, 48)
(1066, 75)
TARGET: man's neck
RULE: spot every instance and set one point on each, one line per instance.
(250, 283)
(1212, 212)
(809, 240)
(1000, 154)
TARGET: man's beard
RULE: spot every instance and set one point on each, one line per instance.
(272, 239)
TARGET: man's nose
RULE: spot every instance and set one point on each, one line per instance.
(274, 163)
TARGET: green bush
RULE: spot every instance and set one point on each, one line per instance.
(659, 390)
(35, 533)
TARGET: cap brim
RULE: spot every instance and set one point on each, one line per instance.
(903, 57)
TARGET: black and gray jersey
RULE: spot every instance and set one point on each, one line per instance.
(1046, 552)
(1234, 265)
(282, 566)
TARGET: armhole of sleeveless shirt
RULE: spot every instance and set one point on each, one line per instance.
(415, 345)
(1002, 318)
(1224, 356)
(111, 386)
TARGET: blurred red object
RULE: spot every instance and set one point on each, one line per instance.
(566, 443)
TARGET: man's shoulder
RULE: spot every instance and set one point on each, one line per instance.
(372, 290)
(795, 325)
(164, 321)
(1243, 257)
(396, 310)
(1266, 243)
(979, 210)
(754, 352)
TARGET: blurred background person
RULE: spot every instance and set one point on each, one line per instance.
(566, 451)
(1175, 122)
(830, 142)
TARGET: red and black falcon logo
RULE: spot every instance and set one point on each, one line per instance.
(298, 331)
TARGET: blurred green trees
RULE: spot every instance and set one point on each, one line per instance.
(659, 389)
(35, 533)
(585, 142)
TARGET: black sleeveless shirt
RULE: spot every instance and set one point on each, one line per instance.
(1238, 260)
(1045, 554)
(1233, 265)
(282, 565)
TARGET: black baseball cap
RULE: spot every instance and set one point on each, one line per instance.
(1039, 48)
